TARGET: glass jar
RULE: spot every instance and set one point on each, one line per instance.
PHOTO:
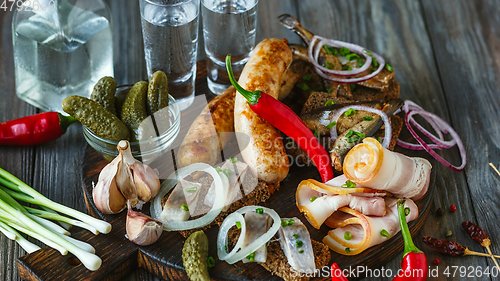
(61, 48)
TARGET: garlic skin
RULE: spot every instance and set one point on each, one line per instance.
(106, 195)
(143, 230)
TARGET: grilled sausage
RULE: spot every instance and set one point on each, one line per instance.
(260, 143)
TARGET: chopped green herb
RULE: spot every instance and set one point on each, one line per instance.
(372, 70)
(316, 133)
(350, 112)
(301, 251)
(367, 52)
(259, 211)
(335, 52)
(185, 207)
(267, 243)
(349, 134)
(353, 139)
(227, 172)
(344, 51)
(329, 126)
(353, 86)
(346, 67)
(299, 243)
(307, 77)
(329, 65)
(210, 262)
(192, 189)
(347, 250)
(384, 233)
(251, 257)
(225, 247)
(303, 87)
(348, 184)
(330, 102)
(295, 236)
(407, 211)
(360, 63)
(368, 118)
(283, 223)
(290, 222)
(374, 62)
(233, 160)
(238, 224)
(352, 56)
(218, 169)
(329, 91)
(378, 139)
(328, 50)
(389, 67)
(362, 136)
(347, 235)
(313, 198)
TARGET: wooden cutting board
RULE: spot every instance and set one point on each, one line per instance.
(163, 258)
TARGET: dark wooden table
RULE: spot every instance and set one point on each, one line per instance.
(447, 57)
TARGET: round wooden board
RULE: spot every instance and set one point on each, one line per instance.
(164, 257)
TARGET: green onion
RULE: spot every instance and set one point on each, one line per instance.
(301, 251)
(353, 86)
(346, 67)
(233, 160)
(378, 139)
(329, 91)
(330, 102)
(368, 118)
(384, 233)
(313, 198)
(367, 52)
(328, 50)
(316, 133)
(185, 207)
(348, 184)
(251, 257)
(192, 189)
(347, 250)
(218, 169)
(290, 222)
(407, 211)
(374, 62)
(329, 126)
(361, 135)
(352, 56)
(295, 236)
(238, 224)
(350, 112)
(389, 67)
(349, 134)
(227, 172)
(329, 65)
(372, 70)
(283, 223)
(259, 211)
(344, 51)
(353, 139)
(299, 243)
(307, 77)
(347, 235)
(210, 262)
(360, 63)
(303, 87)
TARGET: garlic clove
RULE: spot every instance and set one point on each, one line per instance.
(107, 198)
(143, 230)
(146, 181)
(124, 177)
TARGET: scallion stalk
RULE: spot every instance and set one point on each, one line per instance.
(12, 234)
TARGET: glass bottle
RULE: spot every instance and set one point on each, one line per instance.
(61, 48)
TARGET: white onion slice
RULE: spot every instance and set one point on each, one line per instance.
(221, 185)
(239, 253)
(315, 48)
(382, 114)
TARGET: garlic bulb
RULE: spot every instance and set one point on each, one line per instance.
(124, 179)
(143, 230)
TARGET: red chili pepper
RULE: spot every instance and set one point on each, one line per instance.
(34, 129)
(414, 264)
(284, 119)
(337, 274)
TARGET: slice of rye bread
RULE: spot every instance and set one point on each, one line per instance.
(361, 95)
(260, 193)
(301, 157)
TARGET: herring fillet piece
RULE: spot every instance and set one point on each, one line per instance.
(302, 262)
(257, 225)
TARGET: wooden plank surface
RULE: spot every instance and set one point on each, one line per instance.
(447, 59)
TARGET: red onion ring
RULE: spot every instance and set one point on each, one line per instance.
(326, 73)
(440, 122)
(383, 115)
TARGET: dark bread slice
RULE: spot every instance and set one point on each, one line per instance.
(396, 125)
(361, 95)
(277, 262)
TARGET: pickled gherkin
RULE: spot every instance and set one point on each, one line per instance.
(134, 108)
(104, 93)
(157, 92)
(93, 115)
(195, 256)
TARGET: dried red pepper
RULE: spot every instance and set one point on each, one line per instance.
(476, 233)
(414, 264)
(451, 248)
(34, 129)
(284, 119)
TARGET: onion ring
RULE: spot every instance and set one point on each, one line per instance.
(221, 186)
(382, 114)
(239, 253)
